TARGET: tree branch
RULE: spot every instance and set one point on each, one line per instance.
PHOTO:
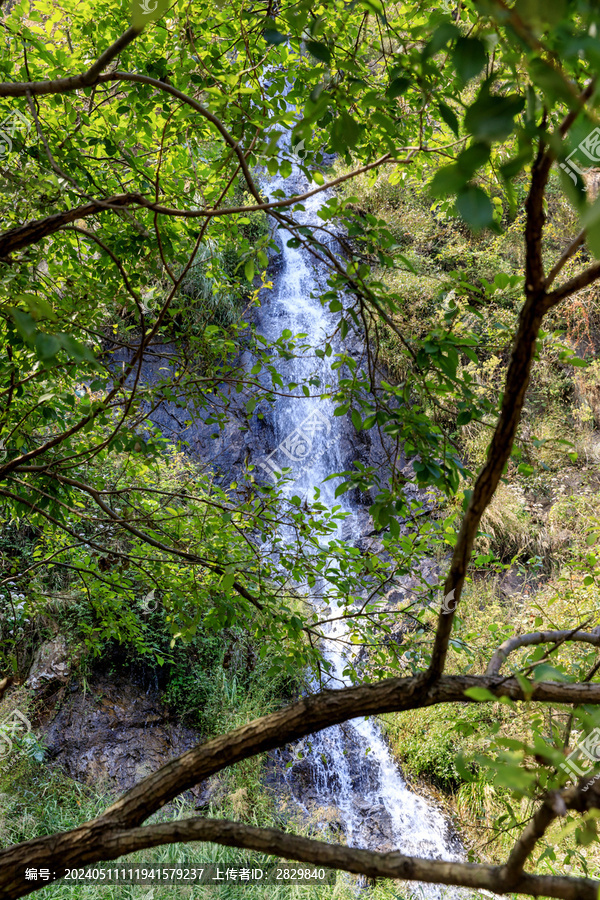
(308, 715)
(515, 388)
(538, 637)
(573, 247)
(32, 232)
(577, 283)
(73, 82)
(270, 841)
(552, 807)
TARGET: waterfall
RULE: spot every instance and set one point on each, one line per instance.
(352, 772)
(350, 766)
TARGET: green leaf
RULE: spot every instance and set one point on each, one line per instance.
(272, 36)
(375, 6)
(24, 324)
(37, 306)
(356, 419)
(319, 50)
(501, 280)
(514, 777)
(546, 672)
(475, 207)
(480, 694)
(442, 36)
(514, 166)
(473, 158)
(549, 78)
(541, 13)
(525, 685)
(77, 351)
(46, 346)
(449, 117)
(249, 269)
(525, 469)
(227, 581)
(345, 133)
(463, 769)
(397, 87)
(469, 57)
(491, 117)
(448, 180)
(342, 488)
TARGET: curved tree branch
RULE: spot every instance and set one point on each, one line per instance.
(91, 841)
(270, 841)
(538, 637)
(515, 388)
(32, 232)
(573, 247)
(72, 82)
(552, 807)
(577, 283)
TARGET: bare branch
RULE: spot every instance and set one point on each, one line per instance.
(268, 840)
(552, 807)
(515, 388)
(538, 637)
(577, 283)
(73, 82)
(32, 232)
(573, 247)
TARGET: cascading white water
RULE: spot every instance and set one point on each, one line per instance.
(351, 769)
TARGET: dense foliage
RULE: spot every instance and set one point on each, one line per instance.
(137, 147)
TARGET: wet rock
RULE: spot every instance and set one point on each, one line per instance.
(376, 827)
(115, 733)
(50, 665)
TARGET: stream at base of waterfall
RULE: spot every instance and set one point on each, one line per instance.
(345, 769)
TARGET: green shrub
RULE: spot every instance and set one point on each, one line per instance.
(428, 742)
(210, 285)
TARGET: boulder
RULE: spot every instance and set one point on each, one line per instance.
(51, 664)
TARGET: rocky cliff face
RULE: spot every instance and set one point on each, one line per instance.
(113, 733)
